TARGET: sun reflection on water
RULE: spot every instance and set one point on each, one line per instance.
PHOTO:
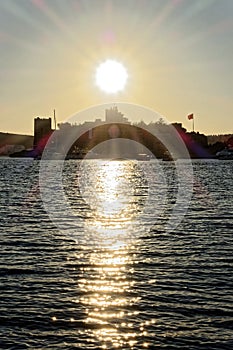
(106, 288)
(110, 192)
(107, 279)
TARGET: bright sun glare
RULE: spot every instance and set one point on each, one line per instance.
(111, 76)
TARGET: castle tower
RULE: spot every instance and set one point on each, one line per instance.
(42, 130)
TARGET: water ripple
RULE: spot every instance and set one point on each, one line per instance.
(157, 289)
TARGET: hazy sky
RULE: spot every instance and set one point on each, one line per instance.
(178, 53)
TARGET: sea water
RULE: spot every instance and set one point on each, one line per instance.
(111, 276)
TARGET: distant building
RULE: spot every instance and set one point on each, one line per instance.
(230, 142)
(179, 127)
(212, 139)
(200, 139)
(112, 115)
(42, 130)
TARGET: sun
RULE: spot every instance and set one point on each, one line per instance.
(111, 76)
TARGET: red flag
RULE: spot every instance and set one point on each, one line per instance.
(190, 116)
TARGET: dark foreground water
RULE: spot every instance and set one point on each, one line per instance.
(121, 281)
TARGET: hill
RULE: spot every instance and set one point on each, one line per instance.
(10, 143)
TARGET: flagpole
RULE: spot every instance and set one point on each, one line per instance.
(191, 117)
